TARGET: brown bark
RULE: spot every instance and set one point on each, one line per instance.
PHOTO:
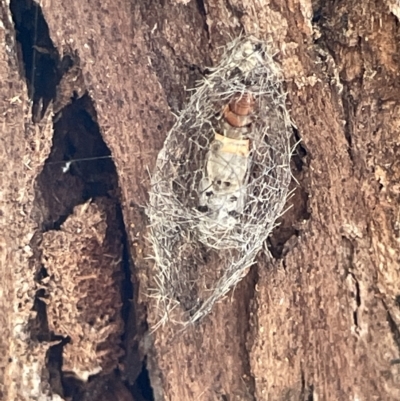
(318, 320)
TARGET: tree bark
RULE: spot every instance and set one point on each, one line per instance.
(319, 320)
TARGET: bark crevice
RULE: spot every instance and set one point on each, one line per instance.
(79, 168)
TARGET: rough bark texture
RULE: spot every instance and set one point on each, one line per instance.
(319, 320)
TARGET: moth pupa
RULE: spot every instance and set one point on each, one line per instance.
(221, 180)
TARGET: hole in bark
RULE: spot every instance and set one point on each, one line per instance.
(300, 152)
(142, 388)
(91, 172)
(54, 366)
(39, 327)
(397, 301)
(317, 15)
(71, 387)
(201, 7)
(38, 55)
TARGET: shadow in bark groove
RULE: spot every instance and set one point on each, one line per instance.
(393, 326)
(142, 387)
(79, 167)
(39, 57)
(284, 236)
(349, 111)
(249, 294)
(307, 390)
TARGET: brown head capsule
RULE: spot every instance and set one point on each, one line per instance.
(239, 110)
